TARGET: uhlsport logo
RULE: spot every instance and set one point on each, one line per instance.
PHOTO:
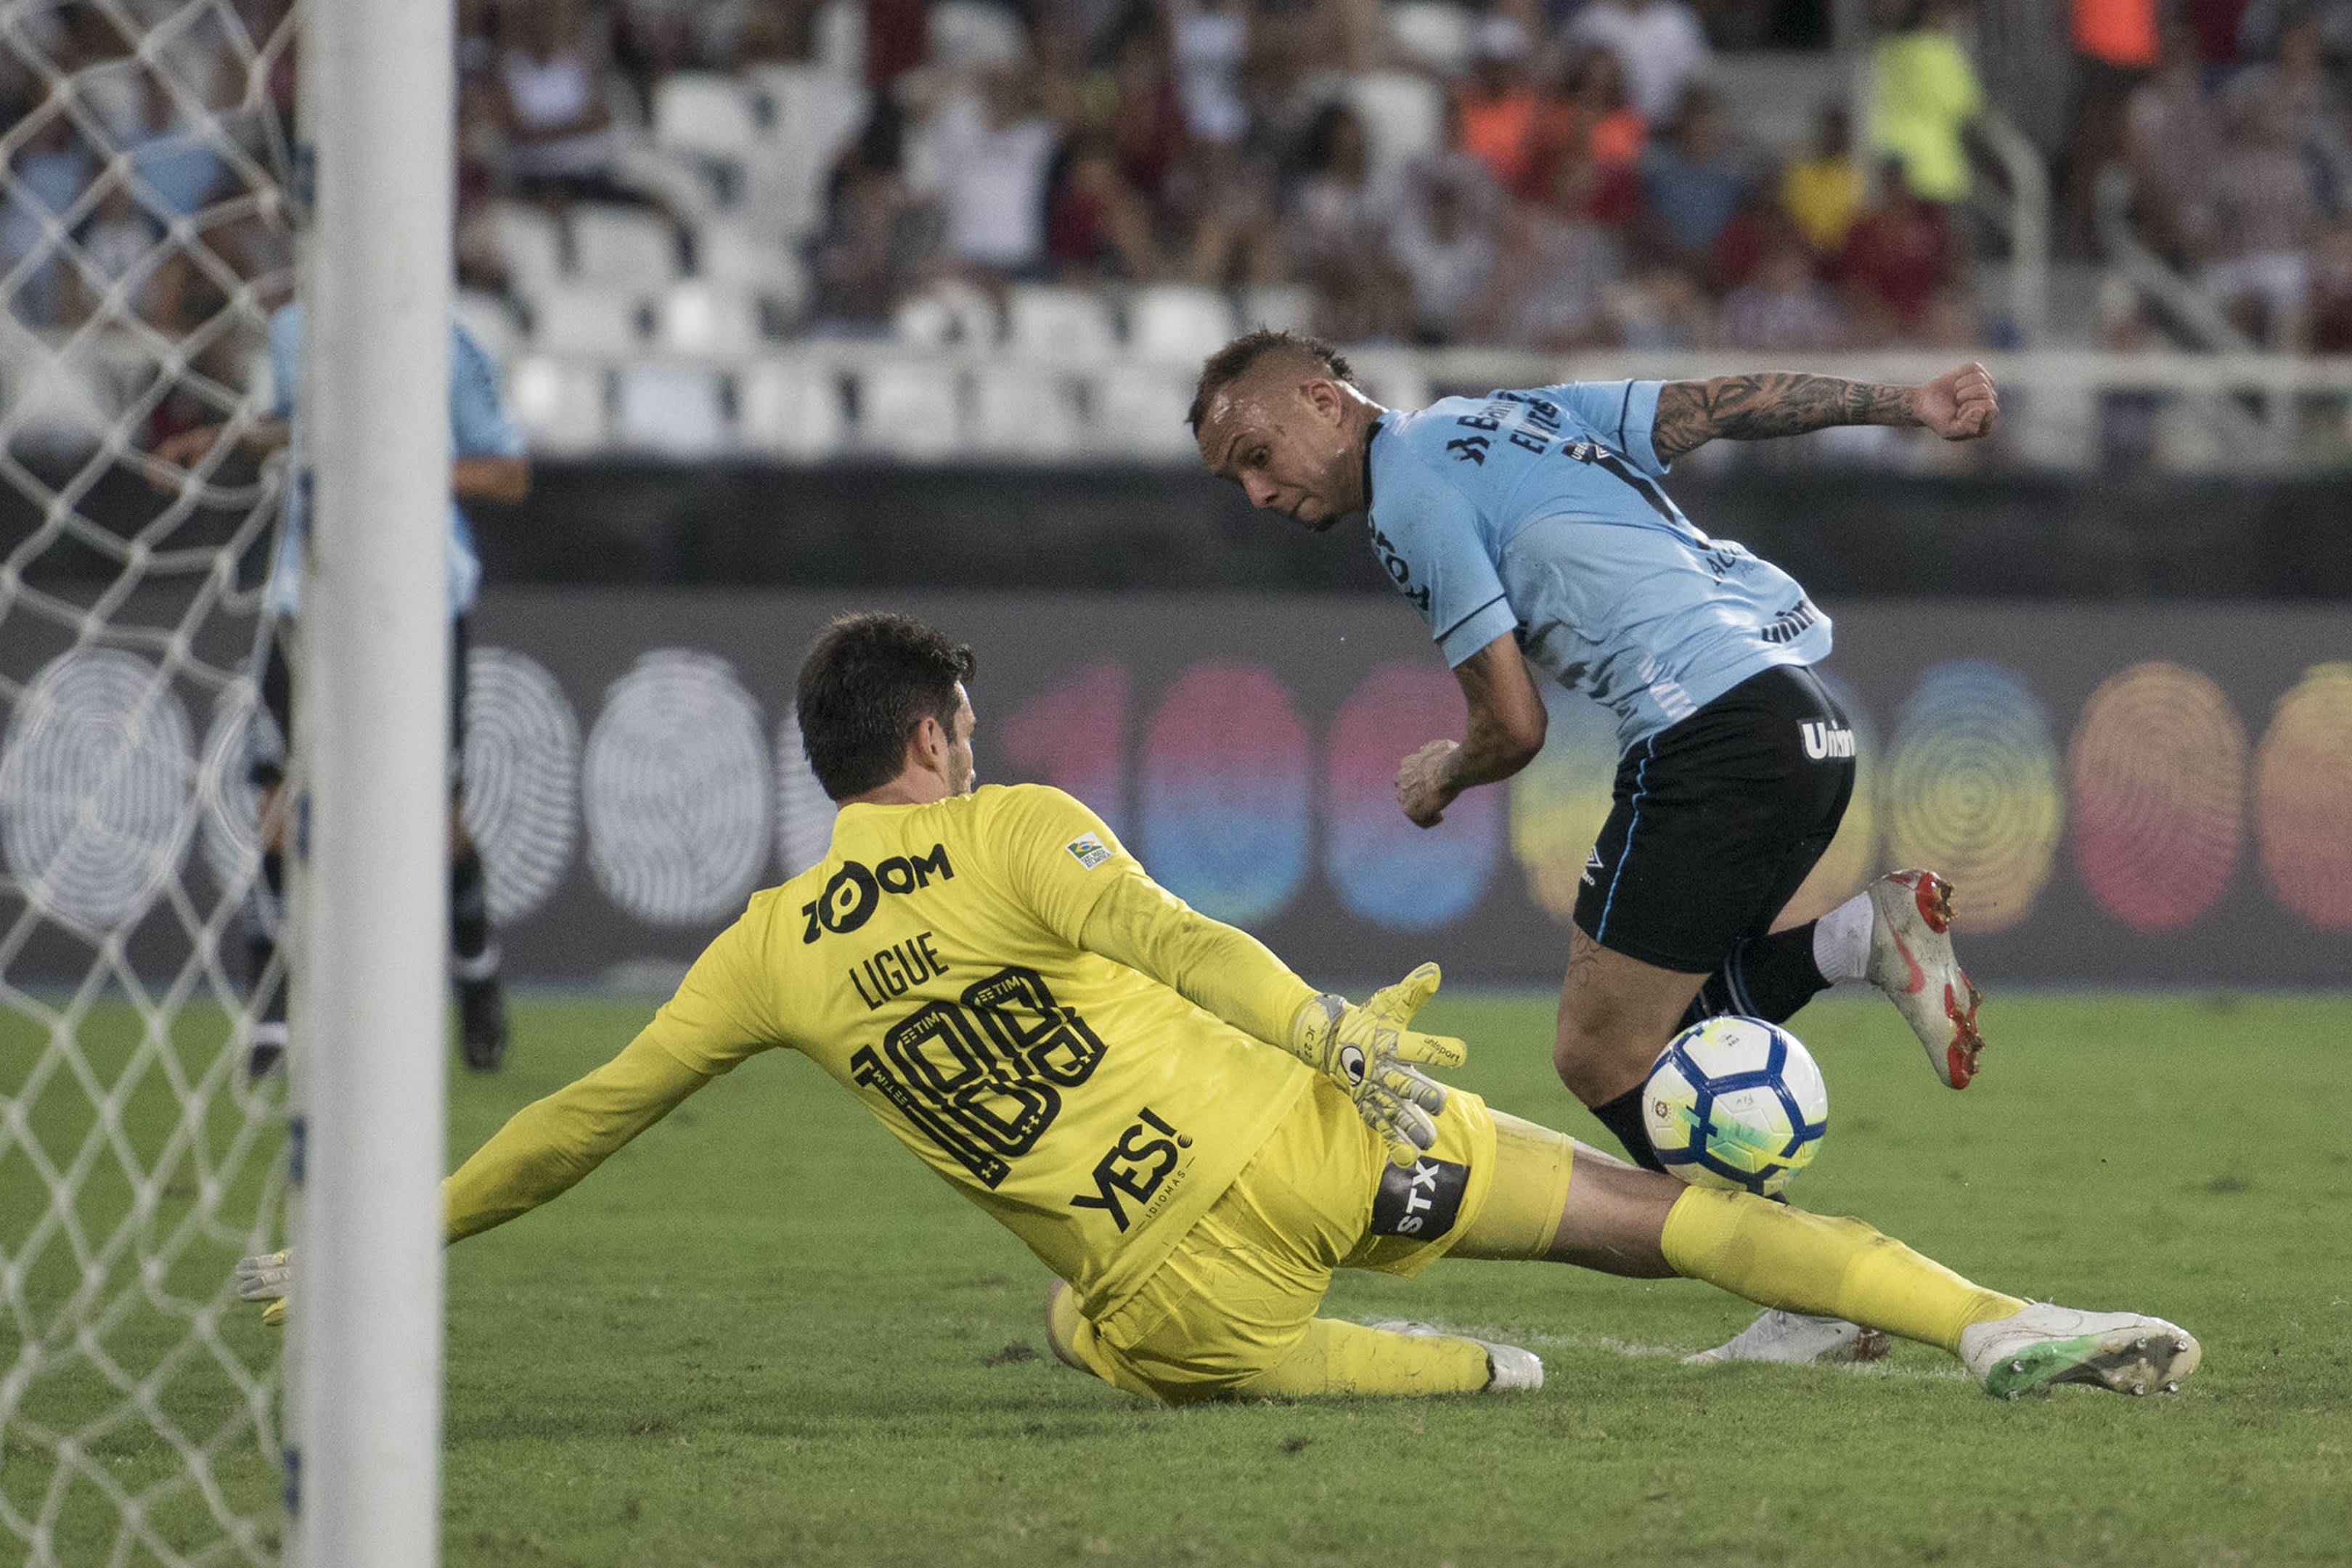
(853, 893)
(1825, 740)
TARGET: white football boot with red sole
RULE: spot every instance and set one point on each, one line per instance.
(1911, 959)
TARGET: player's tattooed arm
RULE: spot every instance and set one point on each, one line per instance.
(1957, 405)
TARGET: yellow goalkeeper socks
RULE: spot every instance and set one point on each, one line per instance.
(1337, 1358)
(1779, 1257)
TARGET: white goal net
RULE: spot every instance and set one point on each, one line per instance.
(146, 235)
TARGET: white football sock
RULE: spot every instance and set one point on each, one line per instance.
(1841, 940)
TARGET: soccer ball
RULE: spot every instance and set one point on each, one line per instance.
(1737, 1103)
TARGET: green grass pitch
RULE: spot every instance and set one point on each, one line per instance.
(763, 1335)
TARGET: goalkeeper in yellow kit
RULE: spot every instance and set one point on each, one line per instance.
(1190, 1136)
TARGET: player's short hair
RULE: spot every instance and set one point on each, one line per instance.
(867, 682)
(1233, 362)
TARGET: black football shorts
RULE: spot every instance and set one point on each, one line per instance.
(265, 765)
(1716, 821)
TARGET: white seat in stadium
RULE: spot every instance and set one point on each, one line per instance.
(1067, 326)
(1284, 307)
(562, 407)
(1432, 33)
(792, 409)
(812, 115)
(675, 410)
(1178, 323)
(1139, 412)
(1403, 114)
(624, 247)
(910, 411)
(838, 39)
(970, 35)
(727, 251)
(704, 114)
(490, 321)
(703, 318)
(944, 315)
(530, 243)
(583, 319)
(54, 404)
(1018, 411)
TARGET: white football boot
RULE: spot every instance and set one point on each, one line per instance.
(1911, 959)
(1776, 1335)
(1509, 1369)
(2028, 1351)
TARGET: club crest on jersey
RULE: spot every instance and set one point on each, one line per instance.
(1824, 740)
(853, 893)
(1088, 850)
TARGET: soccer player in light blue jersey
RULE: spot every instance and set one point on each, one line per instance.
(1530, 527)
(488, 465)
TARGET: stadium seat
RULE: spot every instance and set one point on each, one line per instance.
(491, 322)
(1139, 412)
(1403, 114)
(52, 405)
(700, 317)
(909, 411)
(792, 409)
(703, 114)
(1177, 323)
(1067, 326)
(1286, 307)
(675, 410)
(1432, 33)
(812, 115)
(944, 315)
(728, 252)
(1019, 412)
(970, 34)
(624, 247)
(561, 406)
(581, 318)
(530, 243)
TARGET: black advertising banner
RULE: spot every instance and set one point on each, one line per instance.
(2154, 793)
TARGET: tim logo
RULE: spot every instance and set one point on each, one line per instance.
(1133, 1167)
(1421, 1199)
(853, 893)
(1825, 740)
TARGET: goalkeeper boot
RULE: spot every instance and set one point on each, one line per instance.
(1911, 959)
(2030, 1351)
(1798, 1337)
(482, 1023)
(1509, 1369)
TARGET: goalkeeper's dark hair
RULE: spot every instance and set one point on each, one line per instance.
(1233, 362)
(867, 682)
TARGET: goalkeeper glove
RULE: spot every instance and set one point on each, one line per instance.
(1368, 1050)
(267, 1278)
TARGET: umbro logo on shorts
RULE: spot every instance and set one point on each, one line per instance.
(1825, 740)
(1592, 865)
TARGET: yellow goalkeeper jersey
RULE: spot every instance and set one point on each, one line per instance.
(936, 964)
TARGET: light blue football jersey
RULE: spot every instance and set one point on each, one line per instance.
(478, 427)
(1538, 513)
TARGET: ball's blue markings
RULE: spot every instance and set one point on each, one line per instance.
(1767, 1156)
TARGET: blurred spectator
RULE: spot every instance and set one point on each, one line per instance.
(877, 238)
(2172, 141)
(1662, 308)
(1658, 43)
(1495, 109)
(1442, 238)
(2330, 310)
(1097, 226)
(1821, 190)
(1783, 306)
(1336, 224)
(1209, 39)
(1693, 181)
(119, 246)
(47, 175)
(995, 152)
(1897, 257)
(558, 132)
(897, 38)
(2263, 210)
(2294, 83)
(1228, 199)
(1924, 95)
(1147, 118)
(1583, 118)
(2116, 45)
(174, 165)
(2260, 24)
(1553, 272)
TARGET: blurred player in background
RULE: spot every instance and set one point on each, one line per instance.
(1528, 527)
(488, 465)
(1187, 1134)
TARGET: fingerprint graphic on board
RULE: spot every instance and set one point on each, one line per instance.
(522, 768)
(2156, 791)
(241, 733)
(1853, 854)
(1970, 789)
(94, 778)
(804, 811)
(1559, 800)
(2302, 793)
(674, 790)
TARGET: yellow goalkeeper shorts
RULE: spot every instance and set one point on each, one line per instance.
(1236, 1295)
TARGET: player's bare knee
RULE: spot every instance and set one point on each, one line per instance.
(1597, 1059)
